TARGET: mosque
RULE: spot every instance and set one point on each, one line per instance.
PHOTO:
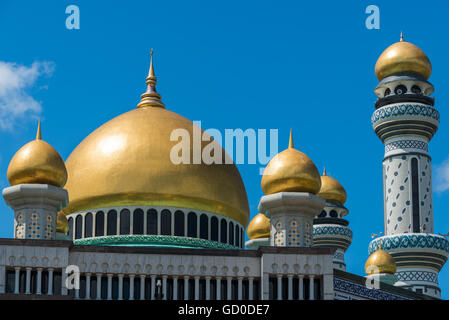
(119, 220)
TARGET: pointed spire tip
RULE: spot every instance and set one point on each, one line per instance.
(290, 142)
(39, 133)
(324, 171)
(402, 36)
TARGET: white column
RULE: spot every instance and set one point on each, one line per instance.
(131, 285)
(164, 287)
(87, 286)
(301, 287)
(290, 286)
(28, 281)
(98, 286)
(16, 282)
(142, 285)
(229, 280)
(186, 287)
(240, 293)
(197, 287)
(207, 288)
(39, 281)
(153, 286)
(175, 288)
(250, 288)
(279, 287)
(50, 282)
(218, 288)
(109, 286)
(311, 288)
(120, 287)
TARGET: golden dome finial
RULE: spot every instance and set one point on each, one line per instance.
(290, 141)
(380, 261)
(331, 189)
(259, 227)
(151, 98)
(403, 57)
(39, 133)
(37, 162)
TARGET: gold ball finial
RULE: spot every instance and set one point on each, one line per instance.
(291, 171)
(331, 189)
(380, 261)
(259, 227)
(37, 162)
(403, 57)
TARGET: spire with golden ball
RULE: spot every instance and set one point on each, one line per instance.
(380, 262)
(258, 232)
(290, 182)
(291, 171)
(151, 98)
(37, 175)
(331, 189)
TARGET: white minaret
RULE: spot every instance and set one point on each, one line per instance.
(405, 120)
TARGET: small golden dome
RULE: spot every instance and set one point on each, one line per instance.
(259, 227)
(400, 57)
(291, 171)
(380, 262)
(62, 224)
(127, 162)
(331, 189)
(37, 162)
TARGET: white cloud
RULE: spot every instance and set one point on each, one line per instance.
(442, 176)
(15, 102)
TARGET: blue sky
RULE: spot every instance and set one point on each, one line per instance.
(229, 64)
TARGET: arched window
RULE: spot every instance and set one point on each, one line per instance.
(224, 229)
(214, 229)
(322, 214)
(125, 221)
(78, 226)
(400, 89)
(204, 226)
(179, 223)
(165, 222)
(99, 224)
(231, 233)
(241, 237)
(333, 214)
(237, 236)
(152, 221)
(88, 219)
(112, 223)
(192, 225)
(70, 220)
(138, 221)
(416, 90)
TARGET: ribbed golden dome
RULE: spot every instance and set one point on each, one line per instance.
(380, 261)
(37, 162)
(259, 227)
(291, 171)
(127, 161)
(400, 57)
(62, 224)
(331, 189)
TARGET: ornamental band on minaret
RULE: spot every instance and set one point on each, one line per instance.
(405, 120)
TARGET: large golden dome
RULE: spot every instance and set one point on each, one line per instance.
(331, 189)
(405, 57)
(380, 261)
(291, 171)
(127, 161)
(37, 162)
(259, 227)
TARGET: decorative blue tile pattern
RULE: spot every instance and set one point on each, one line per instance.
(356, 289)
(411, 241)
(406, 144)
(405, 109)
(332, 230)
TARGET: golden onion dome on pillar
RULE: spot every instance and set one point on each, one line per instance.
(37, 162)
(128, 162)
(259, 227)
(62, 224)
(380, 261)
(331, 189)
(291, 171)
(403, 57)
